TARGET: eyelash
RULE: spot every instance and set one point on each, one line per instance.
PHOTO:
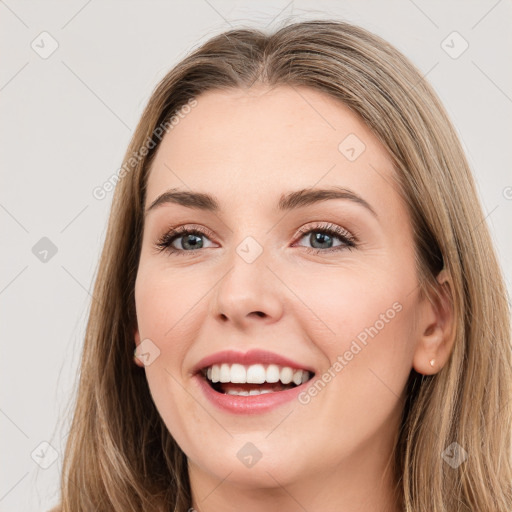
(349, 241)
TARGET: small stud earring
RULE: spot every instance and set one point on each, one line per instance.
(432, 361)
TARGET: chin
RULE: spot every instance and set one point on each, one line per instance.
(250, 464)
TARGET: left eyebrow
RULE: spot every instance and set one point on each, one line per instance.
(308, 196)
(288, 201)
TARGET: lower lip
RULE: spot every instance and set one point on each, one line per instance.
(252, 404)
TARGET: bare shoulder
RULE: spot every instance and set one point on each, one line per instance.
(58, 508)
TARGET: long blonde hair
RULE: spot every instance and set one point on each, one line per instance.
(119, 454)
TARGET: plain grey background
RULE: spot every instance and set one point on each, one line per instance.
(74, 78)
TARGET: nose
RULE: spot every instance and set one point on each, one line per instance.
(249, 293)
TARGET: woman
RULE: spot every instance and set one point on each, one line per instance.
(296, 253)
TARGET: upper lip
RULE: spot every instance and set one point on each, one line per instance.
(253, 356)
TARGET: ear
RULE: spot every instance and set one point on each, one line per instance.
(136, 336)
(436, 328)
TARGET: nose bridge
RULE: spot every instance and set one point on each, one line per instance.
(249, 290)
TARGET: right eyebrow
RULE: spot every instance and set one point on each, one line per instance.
(195, 200)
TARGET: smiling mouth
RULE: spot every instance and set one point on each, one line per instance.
(256, 379)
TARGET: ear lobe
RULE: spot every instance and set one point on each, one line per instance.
(436, 329)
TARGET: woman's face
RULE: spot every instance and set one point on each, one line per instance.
(319, 283)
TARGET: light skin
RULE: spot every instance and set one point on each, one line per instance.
(247, 148)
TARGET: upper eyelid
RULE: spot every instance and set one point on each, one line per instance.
(179, 231)
(303, 229)
(327, 226)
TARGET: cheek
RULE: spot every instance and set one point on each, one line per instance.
(163, 316)
(362, 323)
(368, 361)
(164, 302)
(343, 303)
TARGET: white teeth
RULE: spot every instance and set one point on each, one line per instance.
(238, 374)
(256, 374)
(272, 373)
(249, 393)
(286, 375)
(225, 374)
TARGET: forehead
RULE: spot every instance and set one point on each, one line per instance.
(255, 144)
